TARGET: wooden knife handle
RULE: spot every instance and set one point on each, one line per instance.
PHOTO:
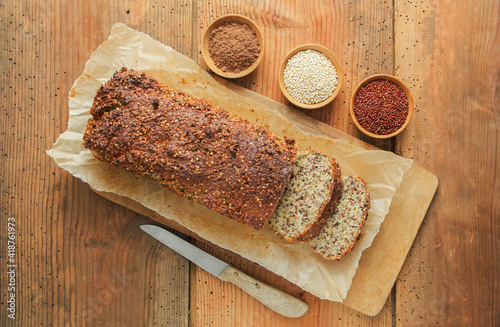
(277, 300)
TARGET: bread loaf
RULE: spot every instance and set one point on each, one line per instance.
(309, 198)
(190, 146)
(342, 230)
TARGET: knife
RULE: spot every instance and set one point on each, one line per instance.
(277, 300)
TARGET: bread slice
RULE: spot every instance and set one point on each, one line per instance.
(309, 198)
(342, 230)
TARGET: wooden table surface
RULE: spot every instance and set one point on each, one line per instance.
(81, 260)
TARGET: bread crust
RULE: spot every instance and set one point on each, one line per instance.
(190, 146)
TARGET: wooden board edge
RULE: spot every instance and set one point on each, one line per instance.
(367, 294)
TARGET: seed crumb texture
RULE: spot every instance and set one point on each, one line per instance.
(342, 230)
(312, 191)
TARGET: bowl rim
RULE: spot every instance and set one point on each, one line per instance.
(216, 23)
(336, 63)
(398, 82)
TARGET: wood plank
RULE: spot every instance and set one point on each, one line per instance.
(76, 251)
(448, 54)
(80, 258)
(360, 33)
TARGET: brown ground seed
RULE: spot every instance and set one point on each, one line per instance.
(233, 47)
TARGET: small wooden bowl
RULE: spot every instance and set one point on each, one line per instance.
(398, 82)
(218, 22)
(336, 64)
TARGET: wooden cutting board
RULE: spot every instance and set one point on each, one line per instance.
(381, 263)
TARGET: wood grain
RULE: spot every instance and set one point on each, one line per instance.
(451, 276)
(81, 259)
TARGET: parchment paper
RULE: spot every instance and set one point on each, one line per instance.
(383, 171)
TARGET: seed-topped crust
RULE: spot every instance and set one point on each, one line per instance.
(191, 146)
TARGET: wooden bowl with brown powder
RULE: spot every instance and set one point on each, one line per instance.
(232, 46)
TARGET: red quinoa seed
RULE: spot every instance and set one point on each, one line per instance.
(381, 107)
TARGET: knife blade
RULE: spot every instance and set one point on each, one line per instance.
(273, 298)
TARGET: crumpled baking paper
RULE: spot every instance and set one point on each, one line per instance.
(382, 170)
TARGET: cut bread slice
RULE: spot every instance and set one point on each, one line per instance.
(342, 230)
(309, 198)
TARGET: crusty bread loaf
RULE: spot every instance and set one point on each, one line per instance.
(309, 198)
(342, 230)
(191, 146)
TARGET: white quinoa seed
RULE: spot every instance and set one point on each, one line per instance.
(310, 77)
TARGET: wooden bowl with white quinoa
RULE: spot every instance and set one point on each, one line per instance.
(310, 76)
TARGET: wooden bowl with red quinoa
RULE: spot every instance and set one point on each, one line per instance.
(381, 106)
